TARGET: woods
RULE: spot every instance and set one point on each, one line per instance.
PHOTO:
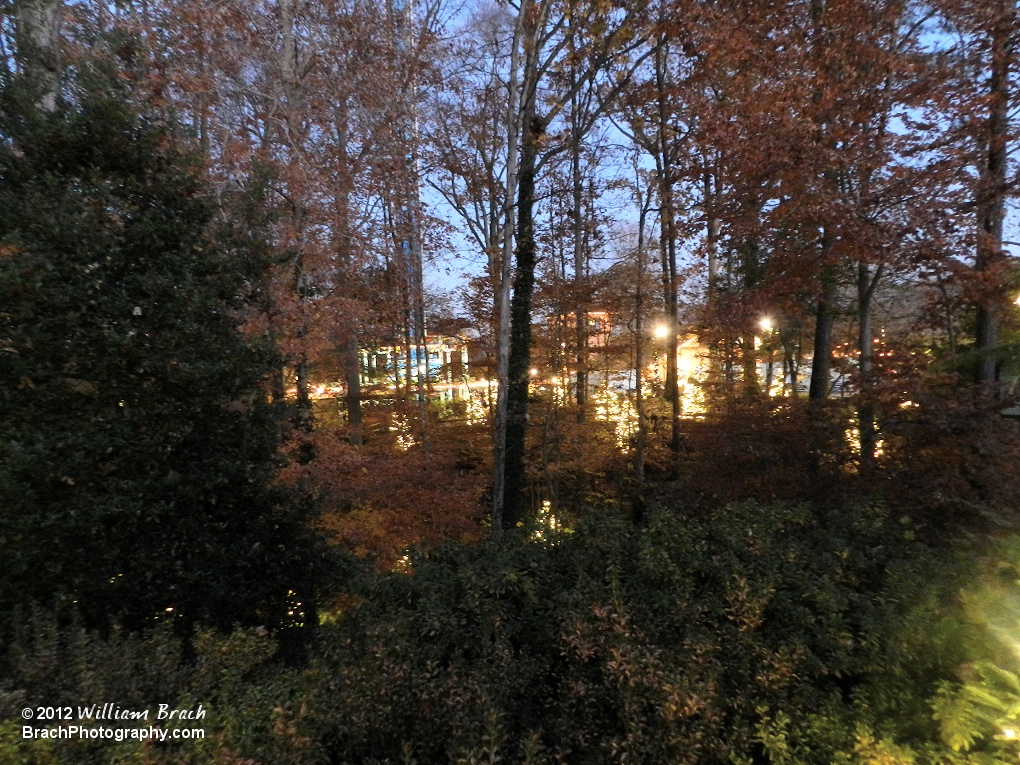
(540, 382)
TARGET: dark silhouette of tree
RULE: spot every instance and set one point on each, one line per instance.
(138, 445)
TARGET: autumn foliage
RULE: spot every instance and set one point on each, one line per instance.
(712, 458)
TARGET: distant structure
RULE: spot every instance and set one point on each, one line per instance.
(441, 360)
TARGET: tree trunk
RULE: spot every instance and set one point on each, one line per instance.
(409, 377)
(668, 249)
(821, 361)
(790, 365)
(992, 195)
(514, 128)
(711, 233)
(520, 324)
(866, 283)
(346, 269)
(303, 416)
(749, 359)
(581, 336)
(304, 400)
(639, 363)
(288, 59)
(352, 373)
(38, 42)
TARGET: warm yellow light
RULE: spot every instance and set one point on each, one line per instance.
(534, 372)
(661, 331)
(1009, 733)
(765, 323)
(555, 381)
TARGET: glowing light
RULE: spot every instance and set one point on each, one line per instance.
(548, 528)
(401, 425)
(1009, 733)
(294, 611)
(403, 563)
(693, 374)
(534, 372)
(766, 324)
(617, 408)
(477, 412)
(853, 440)
(661, 331)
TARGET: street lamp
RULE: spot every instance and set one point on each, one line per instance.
(661, 331)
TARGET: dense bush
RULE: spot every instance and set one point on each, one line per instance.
(753, 635)
(757, 634)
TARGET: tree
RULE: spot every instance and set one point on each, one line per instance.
(37, 33)
(652, 104)
(138, 447)
(465, 145)
(984, 96)
(284, 84)
(598, 39)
